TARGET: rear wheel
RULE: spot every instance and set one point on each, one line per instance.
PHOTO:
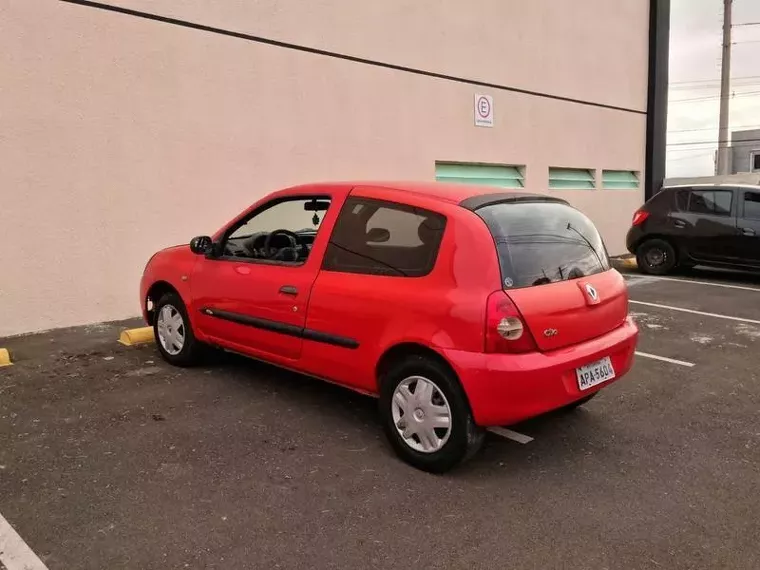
(426, 416)
(656, 257)
(174, 335)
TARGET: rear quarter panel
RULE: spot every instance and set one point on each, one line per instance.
(663, 222)
(443, 310)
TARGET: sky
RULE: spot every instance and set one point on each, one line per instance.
(695, 54)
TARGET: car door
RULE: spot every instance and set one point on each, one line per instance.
(376, 281)
(709, 220)
(253, 300)
(749, 227)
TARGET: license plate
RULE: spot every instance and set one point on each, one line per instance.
(594, 373)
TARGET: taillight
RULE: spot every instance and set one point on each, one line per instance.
(505, 329)
(639, 217)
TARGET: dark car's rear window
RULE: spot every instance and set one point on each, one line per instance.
(543, 242)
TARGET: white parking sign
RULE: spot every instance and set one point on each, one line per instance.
(483, 111)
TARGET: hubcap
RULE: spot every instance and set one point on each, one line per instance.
(656, 257)
(171, 329)
(421, 414)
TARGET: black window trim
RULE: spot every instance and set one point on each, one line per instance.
(388, 204)
(241, 221)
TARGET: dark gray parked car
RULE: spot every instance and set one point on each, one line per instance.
(684, 226)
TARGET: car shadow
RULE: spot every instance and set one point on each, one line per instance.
(558, 436)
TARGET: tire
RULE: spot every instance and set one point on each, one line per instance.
(656, 257)
(578, 403)
(170, 305)
(419, 377)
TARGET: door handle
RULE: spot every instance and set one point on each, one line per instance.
(748, 231)
(289, 290)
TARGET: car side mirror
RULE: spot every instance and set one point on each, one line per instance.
(378, 235)
(201, 245)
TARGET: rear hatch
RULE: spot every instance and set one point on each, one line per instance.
(555, 268)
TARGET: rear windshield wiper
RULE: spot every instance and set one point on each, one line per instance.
(588, 243)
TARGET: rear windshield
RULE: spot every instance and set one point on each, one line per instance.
(544, 242)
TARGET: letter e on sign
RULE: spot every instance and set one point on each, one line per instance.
(483, 111)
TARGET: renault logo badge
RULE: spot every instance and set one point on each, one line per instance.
(591, 292)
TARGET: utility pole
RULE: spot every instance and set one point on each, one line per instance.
(724, 157)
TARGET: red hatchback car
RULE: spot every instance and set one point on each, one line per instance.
(461, 308)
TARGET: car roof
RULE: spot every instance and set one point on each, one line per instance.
(443, 191)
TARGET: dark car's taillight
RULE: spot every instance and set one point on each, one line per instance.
(639, 217)
(505, 329)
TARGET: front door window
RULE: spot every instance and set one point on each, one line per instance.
(280, 232)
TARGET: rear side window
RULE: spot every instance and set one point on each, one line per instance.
(543, 242)
(712, 202)
(384, 238)
(682, 200)
(752, 205)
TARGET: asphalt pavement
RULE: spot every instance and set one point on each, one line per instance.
(110, 458)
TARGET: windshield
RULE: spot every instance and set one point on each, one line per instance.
(543, 242)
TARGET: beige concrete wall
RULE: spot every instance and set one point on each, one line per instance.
(119, 136)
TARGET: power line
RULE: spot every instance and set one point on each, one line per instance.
(692, 157)
(713, 128)
(711, 86)
(714, 80)
(716, 97)
(703, 150)
(714, 142)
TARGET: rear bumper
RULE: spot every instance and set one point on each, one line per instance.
(504, 388)
(633, 238)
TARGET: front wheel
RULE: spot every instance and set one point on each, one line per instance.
(426, 416)
(174, 335)
(656, 257)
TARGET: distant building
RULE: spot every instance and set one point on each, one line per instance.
(745, 152)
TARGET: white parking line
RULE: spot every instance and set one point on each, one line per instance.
(509, 434)
(693, 312)
(14, 552)
(665, 359)
(650, 278)
(636, 280)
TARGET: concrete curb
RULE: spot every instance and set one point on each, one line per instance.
(5, 358)
(624, 262)
(132, 337)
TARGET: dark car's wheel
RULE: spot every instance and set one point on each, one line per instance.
(656, 257)
(174, 335)
(426, 416)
